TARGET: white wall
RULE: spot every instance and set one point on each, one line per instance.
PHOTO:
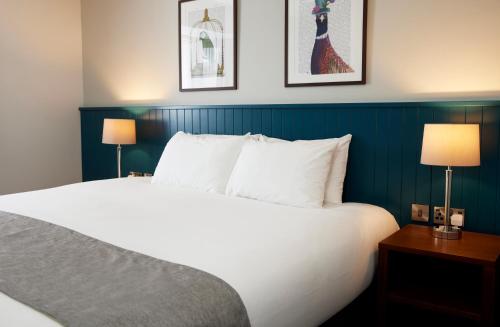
(40, 92)
(417, 50)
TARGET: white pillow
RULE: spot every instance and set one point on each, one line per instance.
(282, 172)
(202, 162)
(335, 183)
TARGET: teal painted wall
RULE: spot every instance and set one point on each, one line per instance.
(383, 167)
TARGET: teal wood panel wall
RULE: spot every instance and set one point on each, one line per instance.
(383, 167)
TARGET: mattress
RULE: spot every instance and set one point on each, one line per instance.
(291, 266)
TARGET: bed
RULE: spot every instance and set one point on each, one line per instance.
(291, 266)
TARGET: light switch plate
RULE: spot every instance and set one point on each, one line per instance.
(420, 212)
(439, 215)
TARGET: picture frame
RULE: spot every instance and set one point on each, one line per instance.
(321, 51)
(208, 58)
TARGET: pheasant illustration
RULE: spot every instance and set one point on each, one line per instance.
(324, 59)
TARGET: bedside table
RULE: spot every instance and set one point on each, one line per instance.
(438, 281)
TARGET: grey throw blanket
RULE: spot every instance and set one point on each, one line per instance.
(80, 281)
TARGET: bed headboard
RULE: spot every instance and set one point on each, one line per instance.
(384, 156)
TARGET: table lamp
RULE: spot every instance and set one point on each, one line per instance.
(119, 132)
(450, 145)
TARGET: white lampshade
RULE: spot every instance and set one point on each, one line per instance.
(119, 131)
(455, 145)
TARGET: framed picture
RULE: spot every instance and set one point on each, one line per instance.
(325, 42)
(207, 45)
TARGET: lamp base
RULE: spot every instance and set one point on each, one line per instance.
(447, 232)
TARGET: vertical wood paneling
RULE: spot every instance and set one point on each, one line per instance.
(256, 121)
(212, 121)
(488, 170)
(247, 121)
(363, 153)
(457, 116)
(165, 117)
(204, 121)
(380, 164)
(342, 126)
(394, 162)
(173, 122)
(221, 120)
(470, 185)
(267, 122)
(409, 186)
(238, 121)
(228, 122)
(323, 123)
(423, 173)
(86, 132)
(277, 123)
(497, 170)
(313, 125)
(289, 130)
(196, 121)
(332, 122)
(188, 121)
(301, 125)
(160, 126)
(384, 160)
(181, 126)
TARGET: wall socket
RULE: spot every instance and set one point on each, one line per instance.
(439, 215)
(420, 213)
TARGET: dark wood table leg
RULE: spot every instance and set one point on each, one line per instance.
(382, 287)
(488, 296)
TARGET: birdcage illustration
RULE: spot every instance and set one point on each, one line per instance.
(207, 47)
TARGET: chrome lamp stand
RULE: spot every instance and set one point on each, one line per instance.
(447, 231)
(119, 159)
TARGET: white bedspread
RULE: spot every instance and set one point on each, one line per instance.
(291, 266)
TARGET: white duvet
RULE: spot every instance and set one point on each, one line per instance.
(291, 266)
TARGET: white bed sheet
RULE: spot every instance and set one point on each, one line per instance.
(291, 266)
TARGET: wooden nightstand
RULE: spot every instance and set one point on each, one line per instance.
(423, 280)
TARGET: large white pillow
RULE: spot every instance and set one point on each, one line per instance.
(335, 183)
(202, 162)
(282, 172)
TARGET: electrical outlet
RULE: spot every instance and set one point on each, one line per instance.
(439, 215)
(420, 212)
